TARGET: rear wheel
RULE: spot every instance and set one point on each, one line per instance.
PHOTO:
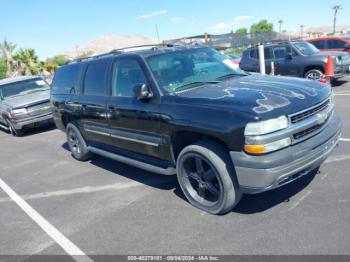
(77, 144)
(207, 177)
(314, 74)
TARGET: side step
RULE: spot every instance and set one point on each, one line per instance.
(4, 127)
(132, 162)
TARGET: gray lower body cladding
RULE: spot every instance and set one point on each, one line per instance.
(261, 173)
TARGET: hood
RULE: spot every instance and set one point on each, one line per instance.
(27, 100)
(261, 96)
(332, 53)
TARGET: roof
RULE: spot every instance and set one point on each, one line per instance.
(328, 38)
(145, 51)
(17, 79)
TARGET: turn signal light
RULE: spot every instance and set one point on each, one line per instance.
(254, 149)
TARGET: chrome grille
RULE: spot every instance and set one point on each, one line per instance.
(310, 112)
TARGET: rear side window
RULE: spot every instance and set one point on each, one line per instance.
(253, 53)
(66, 80)
(95, 79)
(267, 53)
(333, 44)
(319, 44)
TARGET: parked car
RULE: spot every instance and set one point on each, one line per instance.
(331, 44)
(24, 103)
(296, 58)
(235, 59)
(185, 110)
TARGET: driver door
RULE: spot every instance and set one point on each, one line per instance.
(133, 124)
(285, 65)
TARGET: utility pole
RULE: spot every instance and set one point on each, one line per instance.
(301, 31)
(336, 8)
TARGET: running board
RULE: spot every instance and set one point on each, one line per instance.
(132, 162)
(4, 127)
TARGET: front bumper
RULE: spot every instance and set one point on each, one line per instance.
(341, 71)
(261, 173)
(34, 120)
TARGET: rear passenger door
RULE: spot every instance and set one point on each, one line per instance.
(134, 124)
(93, 115)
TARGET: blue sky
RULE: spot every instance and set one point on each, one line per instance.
(52, 27)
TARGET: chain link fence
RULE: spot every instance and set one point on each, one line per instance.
(233, 43)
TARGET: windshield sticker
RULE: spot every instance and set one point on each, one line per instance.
(40, 82)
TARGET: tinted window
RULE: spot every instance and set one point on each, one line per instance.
(333, 44)
(267, 53)
(280, 52)
(254, 53)
(66, 79)
(319, 44)
(126, 74)
(95, 79)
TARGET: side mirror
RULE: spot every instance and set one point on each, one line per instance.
(289, 56)
(142, 92)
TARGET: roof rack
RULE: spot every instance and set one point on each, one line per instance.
(119, 51)
(277, 41)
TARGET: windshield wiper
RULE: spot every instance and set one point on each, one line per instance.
(229, 76)
(196, 83)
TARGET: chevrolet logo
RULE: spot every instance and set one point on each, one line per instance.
(322, 117)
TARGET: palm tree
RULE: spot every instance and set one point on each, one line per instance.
(7, 49)
(27, 60)
(336, 8)
(280, 25)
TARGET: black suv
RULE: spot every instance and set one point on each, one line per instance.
(296, 58)
(185, 110)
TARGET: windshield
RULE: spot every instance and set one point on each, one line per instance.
(23, 88)
(306, 48)
(185, 69)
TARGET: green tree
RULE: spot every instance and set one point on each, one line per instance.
(3, 69)
(28, 61)
(241, 31)
(58, 60)
(262, 26)
(7, 49)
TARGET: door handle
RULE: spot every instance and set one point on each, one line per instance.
(83, 106)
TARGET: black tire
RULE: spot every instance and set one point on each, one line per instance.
(221, 191)
(12, 130)
(77, 144)
(313, 74)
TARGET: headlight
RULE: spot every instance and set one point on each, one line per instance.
(19, 111)
(265, 127)
(270, 147)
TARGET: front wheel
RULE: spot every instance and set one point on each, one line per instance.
(76, 143)
(314, 74)
(207, 177)
(13, 130)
